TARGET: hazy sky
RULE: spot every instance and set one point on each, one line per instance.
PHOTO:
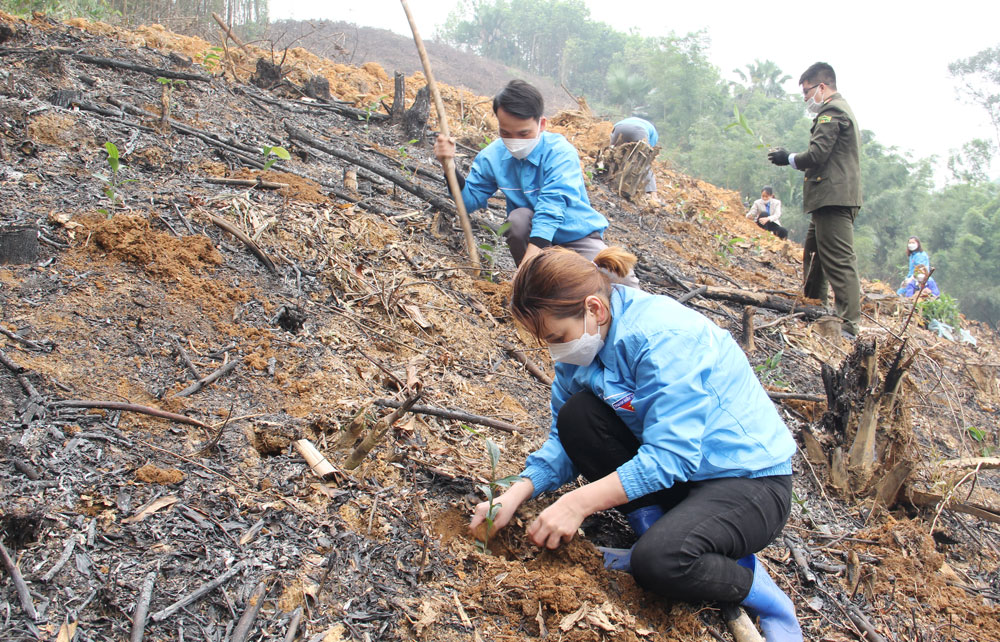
(891, 57)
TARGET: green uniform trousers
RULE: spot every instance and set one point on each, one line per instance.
(828, 255)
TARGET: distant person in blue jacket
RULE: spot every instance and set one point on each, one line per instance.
(539, 174)
(912, 285)
(659, 409)
(916, 255)
(634, 129)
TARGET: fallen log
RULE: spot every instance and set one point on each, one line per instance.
(402, 181)
(245, 182)
(763, 300)
(532, 367)
(922, 499)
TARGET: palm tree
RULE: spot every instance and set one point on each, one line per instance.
(765, 77)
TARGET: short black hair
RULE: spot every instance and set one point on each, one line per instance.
(819, 72)
(767, 189)
(521, 100)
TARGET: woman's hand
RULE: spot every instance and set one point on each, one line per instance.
(557, 524)
(509, 502)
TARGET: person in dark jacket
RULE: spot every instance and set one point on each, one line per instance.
(659, 409)
(831, 194)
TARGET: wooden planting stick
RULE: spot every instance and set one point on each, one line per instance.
(449, 167)
(740, 625)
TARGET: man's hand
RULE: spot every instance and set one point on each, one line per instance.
(444, 149)
(763, 219)
(777, 156)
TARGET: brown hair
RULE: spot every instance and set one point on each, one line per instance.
(556, 281)
(920, 246)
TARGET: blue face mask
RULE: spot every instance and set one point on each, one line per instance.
(578, 352)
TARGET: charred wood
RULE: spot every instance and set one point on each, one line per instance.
(457, 415)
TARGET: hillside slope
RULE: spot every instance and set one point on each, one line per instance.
(322, 316)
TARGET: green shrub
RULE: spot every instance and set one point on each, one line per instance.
(944, 309)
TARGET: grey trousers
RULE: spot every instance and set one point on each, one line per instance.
(520, 231)
(632, 134)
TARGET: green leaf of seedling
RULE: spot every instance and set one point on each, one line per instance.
(487, 490)
(481, 545)
(470, 429)
(503, 228)
(112, 155)
(281, 153)
(976, 433)
(493, 451)
(507, 481)
(410, 142)
(492, 513)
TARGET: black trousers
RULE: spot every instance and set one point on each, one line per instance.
(690, 554)
(774, 228)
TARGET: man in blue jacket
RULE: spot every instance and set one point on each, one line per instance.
(539, 174)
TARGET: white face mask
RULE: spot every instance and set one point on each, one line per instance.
(578, 352)
(912, 247)
(519, 148)
(814, 104)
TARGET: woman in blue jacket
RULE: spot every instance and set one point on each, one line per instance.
(659, 409)
(916, 255)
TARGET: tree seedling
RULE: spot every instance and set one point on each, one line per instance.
(371, 109)
(489, 249)
(741, 122)
(770, 371)
(404, 153)
(211, 59)
(490, 490)
(725, 250)
(113, 181)
(272, 155)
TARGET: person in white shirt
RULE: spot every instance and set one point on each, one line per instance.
(766, 212)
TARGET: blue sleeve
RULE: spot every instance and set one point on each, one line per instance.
(654, 136)
(562, 182)
(480, 184)
(675, 404)
(549, 467)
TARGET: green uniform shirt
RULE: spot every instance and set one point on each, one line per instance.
(833, 161)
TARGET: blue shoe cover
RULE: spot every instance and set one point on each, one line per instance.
(769, 603)
(642, 518)
(617, 559)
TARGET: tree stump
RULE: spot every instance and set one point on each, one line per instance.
(415, 120)
(267, 74)
(627, 167)
(871, 449)
(18, 244)
(318, 88)
(398, 112)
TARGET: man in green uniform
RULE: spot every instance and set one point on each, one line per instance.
(831, 194)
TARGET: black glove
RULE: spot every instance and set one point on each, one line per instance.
(778, 156)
